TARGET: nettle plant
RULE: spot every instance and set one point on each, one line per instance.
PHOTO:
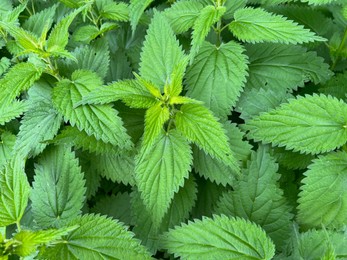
(197, 129)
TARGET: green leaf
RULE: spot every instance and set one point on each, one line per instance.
(136, 9)
(310, 124)
(320, 2)
(29, 240)
(256, 197)
(161, 52)
(155, 118)
(178, 212)
(14, 192)
(97, 237)
(160, 170)
(114, 11)
(19, 78)
(323, 199)
(270, 63)
(232, 6)
(5, 63)
(257, 25)
(219, 237)
(101, 121)
(215, 170)
(336, 86)
(80, 139)
(217, 76)
(7, 141)
(131, 92)
(182, 15)
(198, 124)
(208, 16)
(292, 160)
(40, 22)
(12, 110)
(58, 189)
(59, 36)
(117, 167)
(41, 122)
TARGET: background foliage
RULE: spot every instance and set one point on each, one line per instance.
(196, 129)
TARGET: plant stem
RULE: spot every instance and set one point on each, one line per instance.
(342, 44)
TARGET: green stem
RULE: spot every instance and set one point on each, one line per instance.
(340, 48)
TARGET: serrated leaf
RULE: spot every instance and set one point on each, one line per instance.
(310, 124)
(232, 6)
(215, 170)
(19, 78)
(208, 16)
(101, 121)
(58, 188)
(41, 122)
(14, 192)
(5, 63)
(219, 237)
(161, 52)
(336, 86)
(136, 9)
(7, 141)
(117, 167)
(160, 170)
(29, 240)
(254, 101)
(177, 213)
(59, 36)
(114, 11)
(97, 237)
(323, 199)
(257, 25)
(270, 63)
(217, 76)
(131, 92)
(321, 2)
(80, 139)
(256, 197)
(12, 110)
(292, 160)
(198, 124)
(182, 15)
(155, 118)
(115, 206)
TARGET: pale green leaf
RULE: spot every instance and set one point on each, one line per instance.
(101, 121)
(58, 188)
(208, 16)
(131, 92)
(29, 240)
(323, 199)
(219, 237)
(161, 52)
(232, 6)
(182, 15)
(6, 6)
(41, 122)
(173, 86)
(7, 141)
(160, 171)
(215, 170)
(59, 36)
(80, 139)
(5, 63)
(257, 25)
(19, 78)
(155, 118)
(85, 33)
(271, 63)
(12, 110)
(178, 212)
(97, 238)
(14, 192)
(310, 124)
(136, 9)
(256, 197)
(217, 76)
(199, 125)
(322, 2)
(73, 3)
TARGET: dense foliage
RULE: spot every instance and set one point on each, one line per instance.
(197, 129)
